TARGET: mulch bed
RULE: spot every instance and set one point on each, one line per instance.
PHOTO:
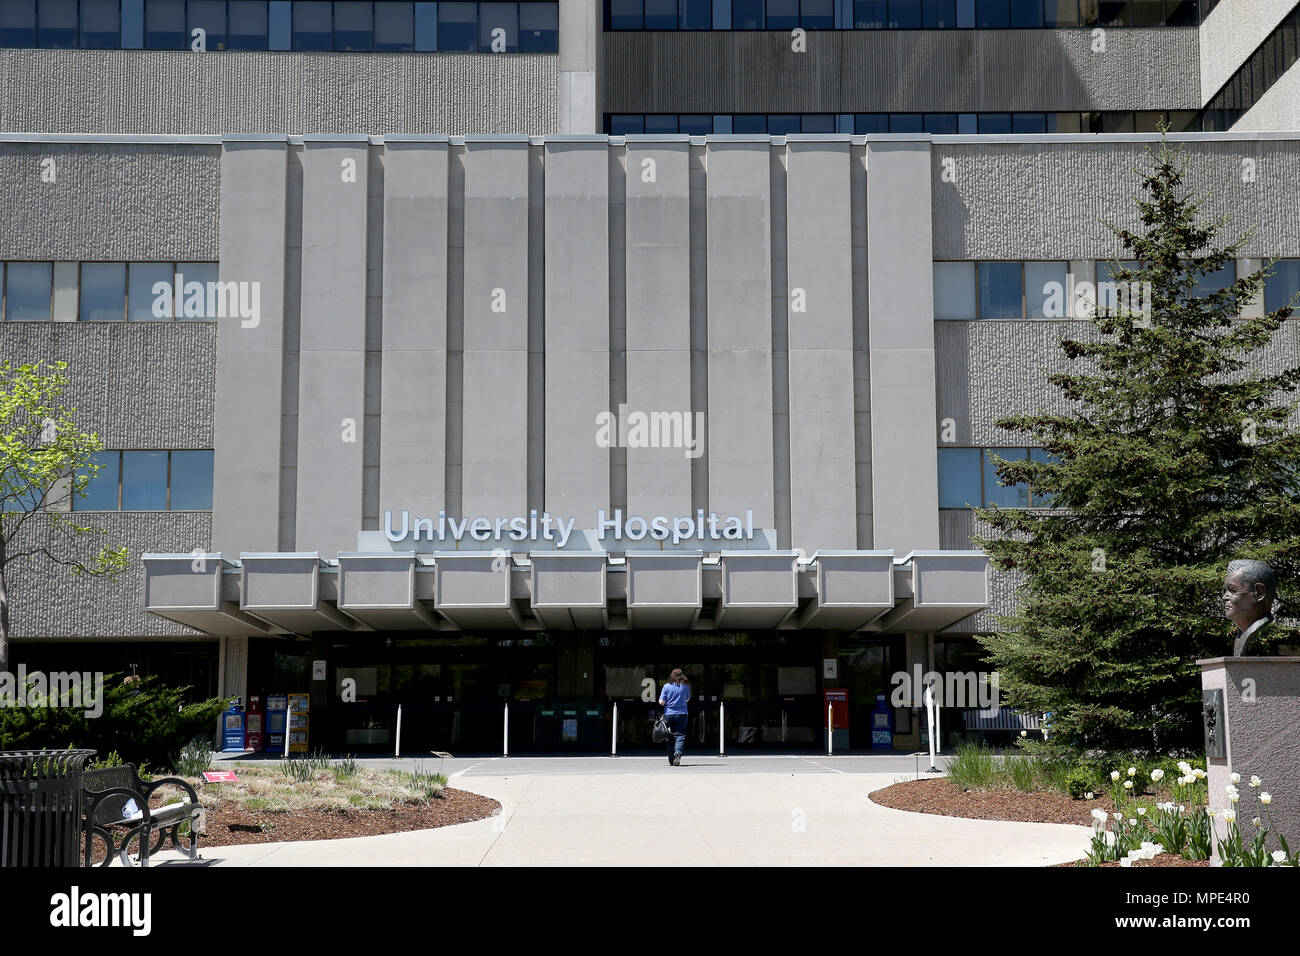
(939, 795)
(231, 825)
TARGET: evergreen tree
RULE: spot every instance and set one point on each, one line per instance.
(1176, 458)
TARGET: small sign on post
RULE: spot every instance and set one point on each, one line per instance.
(220, 776)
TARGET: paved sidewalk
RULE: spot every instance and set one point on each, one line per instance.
(750, 812)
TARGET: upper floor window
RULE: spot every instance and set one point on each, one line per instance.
(1282, 287)
(149, 481)
(116, 291)
(968, 478)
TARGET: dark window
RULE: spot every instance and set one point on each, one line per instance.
(498, 27)
(906, 123)
(101, 25)
(248, 26)
(150, 291)
(1060, 13)
(661, 14)
(102, 292)
(210, 17)
(1215, 281)
(1114, 13)
(782, 14)
(1281, 287)
(1042, 499)
(747, 14)
(1026, 14)
(1180, 13)
(458, 27)
(1014, 496)
(999, 290)
(870, 14)
(939, 14)
(625, 14)
(144, 481)
(426, 27)
(353, 26)
(102, 489)
(28, 287)
(941, 122)
(17, 23)
(539, 27)
(905, 14)
(992, 14)
(660, 123)
(620, 124)
(817, 123)
(696, 124)
(697, 14)
(1028, 123)
(871, 122)
(57, 23)
(817, 14)
(313, 26)
(959, 478)
(394, 27)
(191, 481)
(749, 123)
(995, 122)
(1148, 13)
(779, 124)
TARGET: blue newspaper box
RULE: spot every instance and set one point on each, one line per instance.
(882, 725)
(277, 707)
(232, 729)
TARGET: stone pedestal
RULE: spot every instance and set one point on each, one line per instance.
(1256, 706)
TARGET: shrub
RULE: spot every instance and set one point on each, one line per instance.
(1078, 783)
(195, 757)
(974, 767)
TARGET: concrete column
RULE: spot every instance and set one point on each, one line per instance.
(495, 430)
(413, 406)
(740, 448)
(823, 502)
(659, 320)
(581, 26)
(577, 327)
(332, 363)
(904, 443)
(250, 350)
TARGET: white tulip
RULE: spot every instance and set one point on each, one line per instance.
(1255, 781)
(1230, 815)
(1266, 798)
(1142, 811)
(1132, 771)
(1157, 775)
(1255, 822)
(1199, 774)
(1089, 796)
(1279, 856)
(1126, 862)
(1118, 815)
(1184, 766)
(1235, 778)
(1132, 821)
(1114, 775)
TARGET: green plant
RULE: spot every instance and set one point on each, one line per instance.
(1078, 783)
(1023, 771)
(974, 767)
(345, 768)
(114, 759)
(1235, 849)
(426, 784)
(195, 757)
(298, 769)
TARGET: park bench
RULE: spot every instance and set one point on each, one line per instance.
(116, 799)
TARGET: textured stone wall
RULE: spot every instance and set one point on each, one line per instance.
(120, 201)
(1044, 201)
(1230, 34)
(166, 91)
(137, 384)
(47, 601)
(1279, 108)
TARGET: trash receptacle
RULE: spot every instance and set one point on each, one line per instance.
(40, 807)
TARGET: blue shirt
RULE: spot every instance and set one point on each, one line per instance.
(675, 697)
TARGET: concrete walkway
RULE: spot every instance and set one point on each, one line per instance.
(741, 811)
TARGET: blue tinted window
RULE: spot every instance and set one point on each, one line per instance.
(247, 26)
(992, 14)
(623, 123)
(661, 14)
(1029, 123)
(870, 14)
(191, 481)
(1062, 13)
(695, 124)
(394, 27)
(941, 122)
(999, 290)
(313, 26)
(101, 25)
(939, 14)
(101, 490)
(1042, 499)
(1016, 496)
(28, 286)
(905, 14)
(871, 122)
(1216, 281)
(1280, 288)
(56, 23)
(661, 123)
(210, 17)
(102, 291)
(782, 14)
(747, 14)
(17, 22)
(458, 27)
(626, 14)
(539, 27)
(959, 478)
(144, 481)
(1113, 13)
(780, 124)
(817, 14)
(695, 14)
(149, 293)
(995, 122)
(1027, 13)
(498, 25)
(353, 27)
(817, 123)
(164, 25)
(426, 26)
(906, 123)
(749, 123)
(192, 280)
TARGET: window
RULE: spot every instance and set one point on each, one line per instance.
(498, 25)
(747, 14)
(817, 123)
(1216, 281)
(149, 481)
(781, 14)
(1114, 13)
(906, 123)
(992, 14)
(458, 27)
(695, 15)
(659, 123)
(995, 123)
(817, 14)
(191, 481)
(871, 122)
(1046, 287)
(56, 23)
(101, 25)
(191, 288)
(869, 14)
(1000, 294)
(620, 124)
(939, 14)
(1061, 13)
(905, 14)
(1041, 499)
(17, 23)
(210, 17)
(626, 14)
(695, 124)
(954, 290)
(959, 478)
(102, 491)
(247, 25)
(941, 122)
(394, 27)
(149, 291)
(144, 481)
(28, 289)
(102, 292)
(353, 26)
(1027, 14)
(781, 124)
(1111, 293)
(164, 25)
(1012, 496)
(1281, 287)
(313, 26)
(749, 123)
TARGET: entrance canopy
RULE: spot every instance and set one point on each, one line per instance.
(301, 593)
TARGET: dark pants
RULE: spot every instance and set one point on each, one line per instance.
(677, 731)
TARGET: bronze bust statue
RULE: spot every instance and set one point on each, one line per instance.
(1249, 592)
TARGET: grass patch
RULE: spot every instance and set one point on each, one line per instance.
(298, 785)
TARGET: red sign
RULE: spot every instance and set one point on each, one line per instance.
(219, 776)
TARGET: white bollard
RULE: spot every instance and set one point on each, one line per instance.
(830, 729)
(613, 740)
(505, 731)
(397, 749)
(932, 722)
(722, 729)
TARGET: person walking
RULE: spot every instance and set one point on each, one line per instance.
(673, 700)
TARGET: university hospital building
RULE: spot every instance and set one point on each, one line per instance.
(481, 354)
